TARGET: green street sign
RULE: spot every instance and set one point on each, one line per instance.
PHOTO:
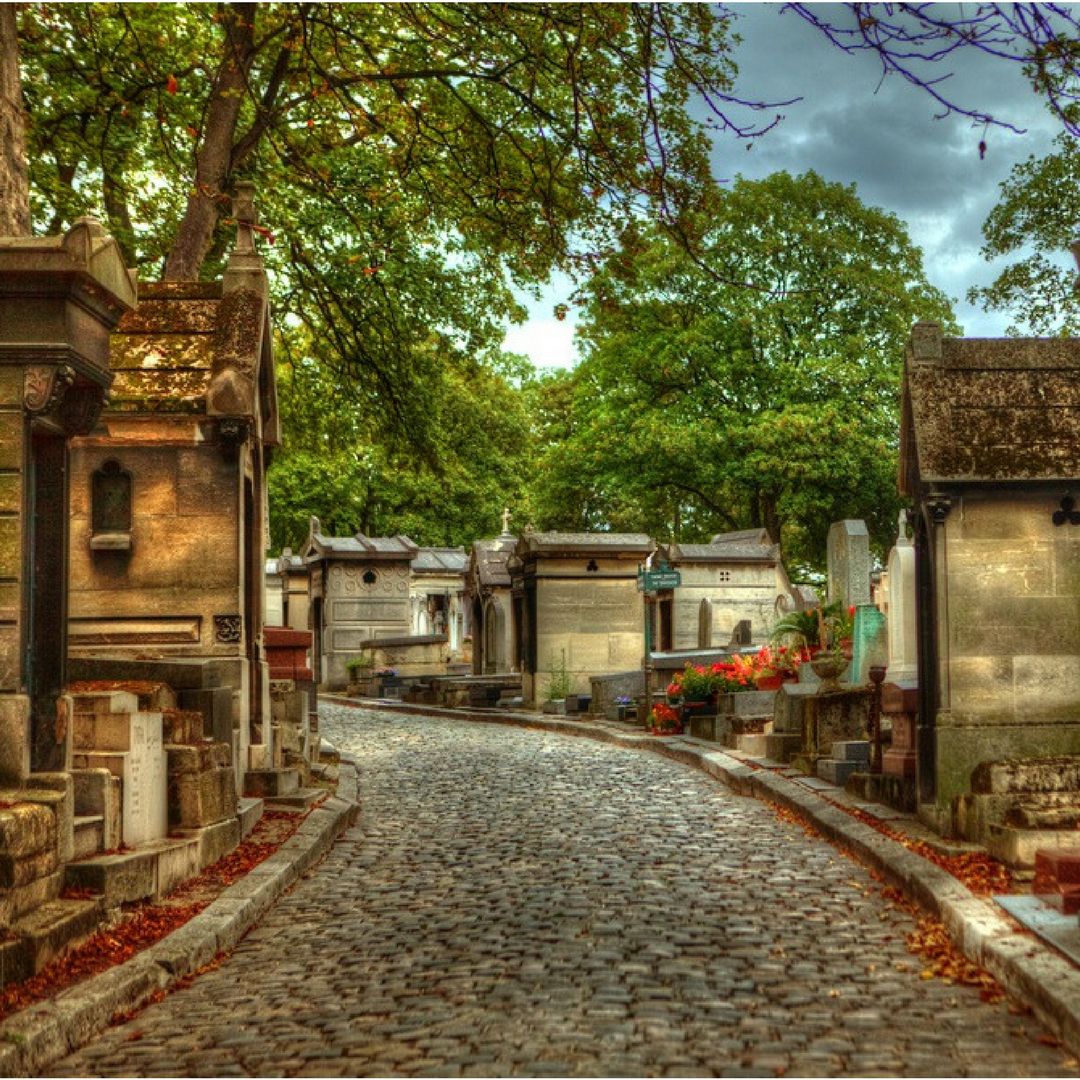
(659, 580)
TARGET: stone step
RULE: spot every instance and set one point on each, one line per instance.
(754, 745)
(151, 870)
(857, 750)
(89, 835)
(123, 695)
(299, 800)
(271, 783)
(836, 772)
(102, 702)
(782, 745)
(44, 933)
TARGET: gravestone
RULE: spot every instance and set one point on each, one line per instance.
(869, 644)
(143, 781)
(849, 563)
(129, 743)
(902, 628)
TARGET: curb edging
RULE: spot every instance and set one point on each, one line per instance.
(49, 1030)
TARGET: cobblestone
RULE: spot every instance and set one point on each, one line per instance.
(520, 903)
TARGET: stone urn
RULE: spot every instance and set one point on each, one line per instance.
(828, 667)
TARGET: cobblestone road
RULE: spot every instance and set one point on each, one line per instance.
(518, 903)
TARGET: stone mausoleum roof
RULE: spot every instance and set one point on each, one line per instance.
(489, 559)
(747, 545)
(598, 543)
(440, 561)
(358, 546)
(989, 409)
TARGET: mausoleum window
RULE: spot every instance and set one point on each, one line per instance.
(110, 513)
(370, 577)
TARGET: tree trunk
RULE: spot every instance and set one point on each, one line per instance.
(14, 178)
(213, 160)
(770, 519)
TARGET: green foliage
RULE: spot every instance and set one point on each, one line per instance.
(1038, 210)
(757, 385)
(415, 163)
(447, 489)
(559, 678)
(358, 666)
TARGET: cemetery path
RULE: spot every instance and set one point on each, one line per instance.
(521, 903)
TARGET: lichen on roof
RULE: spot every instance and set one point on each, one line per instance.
(989, 409)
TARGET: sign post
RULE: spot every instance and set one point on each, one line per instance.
(650, 582)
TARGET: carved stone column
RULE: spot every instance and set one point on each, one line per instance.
(59, 300)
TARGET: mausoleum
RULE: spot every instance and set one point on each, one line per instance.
(577, 602)
(737, 578)
(990, 454)
(487, 593)
(168, 495)
(360, 591)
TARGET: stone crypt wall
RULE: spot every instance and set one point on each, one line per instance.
(1010, 664)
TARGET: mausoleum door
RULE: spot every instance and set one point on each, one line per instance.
(45, 639)
(478, 631)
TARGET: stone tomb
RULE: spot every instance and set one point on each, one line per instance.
(359, 593)
(578, 606)
(488, 597)
(990, 451)
(736, 578)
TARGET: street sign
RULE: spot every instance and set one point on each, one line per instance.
(659, 580)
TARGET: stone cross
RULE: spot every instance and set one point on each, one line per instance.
(506, 521)
(849, 563)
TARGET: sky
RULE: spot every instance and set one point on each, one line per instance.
(883, 138)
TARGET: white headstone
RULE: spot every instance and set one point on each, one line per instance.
(849, 563)
(144, 782)
(903, 629)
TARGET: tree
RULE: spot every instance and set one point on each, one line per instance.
(336, 465)
(14, 182)
(1039, 209)
(702, 407)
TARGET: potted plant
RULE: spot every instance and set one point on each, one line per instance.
(664, 720)
(775, 665)
(359, 671)
(559, 683)
(386, 677)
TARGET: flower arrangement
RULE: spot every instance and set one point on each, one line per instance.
(386, 673)
(774, 664)
(664, 720)
(623, 700)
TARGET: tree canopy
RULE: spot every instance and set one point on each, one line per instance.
(755, 386)
(1039, 210)
(417, 164)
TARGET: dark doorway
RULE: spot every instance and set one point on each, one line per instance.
(45, 636)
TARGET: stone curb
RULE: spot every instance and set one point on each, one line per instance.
(35, 1037)
(1029, 971)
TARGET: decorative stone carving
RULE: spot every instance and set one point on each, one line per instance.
(228, 629)
(44, 387)
(938, 504)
